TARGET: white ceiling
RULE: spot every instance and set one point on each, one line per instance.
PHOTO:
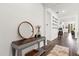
(64, 9)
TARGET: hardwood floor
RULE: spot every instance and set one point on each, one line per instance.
(66, 41)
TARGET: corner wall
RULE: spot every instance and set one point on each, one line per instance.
(51, 32)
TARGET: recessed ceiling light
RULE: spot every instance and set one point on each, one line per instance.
(63, 11)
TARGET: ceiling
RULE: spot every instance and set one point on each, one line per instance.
(64, 9)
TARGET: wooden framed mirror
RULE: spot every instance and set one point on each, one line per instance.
(25, 30)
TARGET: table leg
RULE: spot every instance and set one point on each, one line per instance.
(13, 51)
(19, 52)
(38, 45)
(44, 43)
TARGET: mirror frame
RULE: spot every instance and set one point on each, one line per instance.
(19, 29)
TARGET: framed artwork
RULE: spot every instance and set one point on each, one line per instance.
(54, 22)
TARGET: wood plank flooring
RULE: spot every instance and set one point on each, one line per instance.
(66, 41)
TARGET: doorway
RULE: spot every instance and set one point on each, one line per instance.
(71, 27)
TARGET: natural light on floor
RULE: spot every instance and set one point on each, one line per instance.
(70, 39)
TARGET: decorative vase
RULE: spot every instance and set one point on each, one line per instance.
(38, 32)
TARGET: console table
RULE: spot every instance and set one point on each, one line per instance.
(25, 43)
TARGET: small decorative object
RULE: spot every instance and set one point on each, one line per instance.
(38, 31)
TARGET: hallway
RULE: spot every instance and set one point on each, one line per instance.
(67, 41)
(44, 19)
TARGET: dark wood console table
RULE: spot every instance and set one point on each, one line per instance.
(25, 43)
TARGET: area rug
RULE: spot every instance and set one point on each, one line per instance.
(59, 51)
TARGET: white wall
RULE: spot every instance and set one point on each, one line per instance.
(54, 31)
(51, 33)
(78, 34)
(10, 17)
(47, 24)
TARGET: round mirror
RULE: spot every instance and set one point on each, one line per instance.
(25, 30)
